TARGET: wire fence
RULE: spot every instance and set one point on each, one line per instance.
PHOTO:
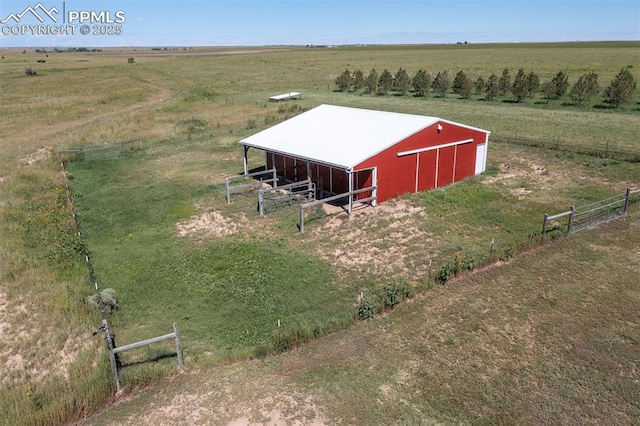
(604, 149)
(101, 151)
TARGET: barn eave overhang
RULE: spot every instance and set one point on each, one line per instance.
(300, 157)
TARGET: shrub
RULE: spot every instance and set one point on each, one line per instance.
(395, 292)
(106, 300)
(366, 309)
(386, 295)
(460, 263)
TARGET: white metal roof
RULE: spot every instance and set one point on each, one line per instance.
(338, 136)
(286, 96)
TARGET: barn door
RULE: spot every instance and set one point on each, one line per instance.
(481, 158)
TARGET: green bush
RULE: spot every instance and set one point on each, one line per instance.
(395, 292)
(460, 263)
(366, 309)
(386, 295)
(106, 300)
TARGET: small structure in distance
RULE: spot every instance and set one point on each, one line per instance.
(286, 96)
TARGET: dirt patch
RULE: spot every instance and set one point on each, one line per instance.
(384, 239)
(210, 224)
(23, 337)
(521, 170)
(32, 158)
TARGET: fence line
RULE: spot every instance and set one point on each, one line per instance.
(101, 151)
(273, 199)
(229, 188)
(593, 214)
(104, 327)
(333, 198)
(175, 336)
(589, 149)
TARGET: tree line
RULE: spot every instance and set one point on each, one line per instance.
(620, 92)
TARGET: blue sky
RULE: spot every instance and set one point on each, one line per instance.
(275, 22)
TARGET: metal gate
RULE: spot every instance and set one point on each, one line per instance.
(594, 214)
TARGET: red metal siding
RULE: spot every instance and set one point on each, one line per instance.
(397, 175)
(427, 171)
(445, 165)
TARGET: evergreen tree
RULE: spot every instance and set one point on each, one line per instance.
(371, 83)
(358, 80)
(462, 85)
(533, 84)
(441, 83)
(549, 89)
(401, 81)
(385, 82)
(519, 86)
(585, 89)
(504, 84)
(493, 88)
(421, 83)
(622, 89)
(480, 85)
(560, 83)
(343, 81)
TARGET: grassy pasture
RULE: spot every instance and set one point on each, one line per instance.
(199, 104)
(539, 340)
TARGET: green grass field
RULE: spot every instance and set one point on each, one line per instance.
(159, 231)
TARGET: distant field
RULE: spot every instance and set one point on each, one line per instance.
(160, 233)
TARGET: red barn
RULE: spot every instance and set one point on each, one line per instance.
(345, 149)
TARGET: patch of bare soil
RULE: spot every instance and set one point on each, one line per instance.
(230, 398)
(384, 239)
(518, 170)
(209, 224)
(34, 157)
(28, 348)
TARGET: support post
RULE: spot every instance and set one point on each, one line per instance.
(301, 218)
(245, 162)
(260, 199)
(570, 227)
(374, 193)
(178, 347)
(350, 191)
(544, 226)
(112, 356)
(627, 195)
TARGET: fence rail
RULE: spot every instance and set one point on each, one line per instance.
(101, 151)
(604, 150)
(591, 215)
(252, 186)
(278, 198)
(334, 198)
(175, 336)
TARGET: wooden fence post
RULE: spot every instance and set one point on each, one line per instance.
(627, 195)
(178, 347)
(260, 199)
(570, 226)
